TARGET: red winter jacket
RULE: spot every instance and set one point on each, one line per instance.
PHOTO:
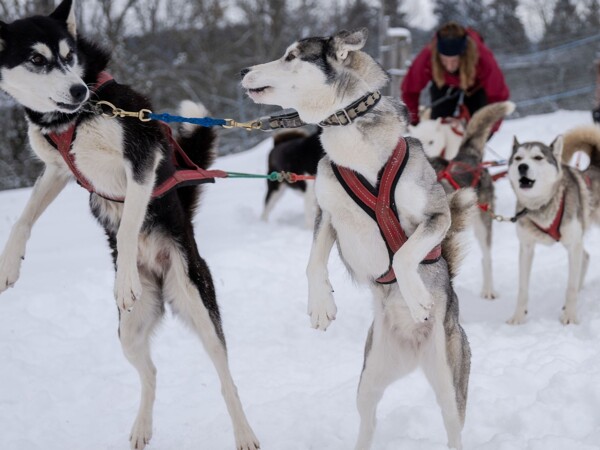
(488, 76)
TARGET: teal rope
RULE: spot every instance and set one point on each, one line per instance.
(273, 176)
(202, 121)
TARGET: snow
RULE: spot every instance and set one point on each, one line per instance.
(64, 383)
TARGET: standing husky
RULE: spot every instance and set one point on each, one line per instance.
(49, 70)
(555, 203)
(465, 170)
(329, 81)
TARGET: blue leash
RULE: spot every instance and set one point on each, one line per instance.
(202, 121)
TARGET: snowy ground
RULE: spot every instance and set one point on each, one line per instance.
(64, 383)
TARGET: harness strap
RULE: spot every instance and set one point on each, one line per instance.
(378, 202)
(554, 229)
(446, 174)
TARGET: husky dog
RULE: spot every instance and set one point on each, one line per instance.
(49, 70)
(465, 170)
(299, 152)
(555, 203)
(440, 138)
(416, 318)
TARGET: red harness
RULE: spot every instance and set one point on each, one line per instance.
(378, 202)
(185, 173)
(554, 229)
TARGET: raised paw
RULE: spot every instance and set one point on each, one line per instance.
(321, 309)
(141, 433)
(128, 289)
(420, 312)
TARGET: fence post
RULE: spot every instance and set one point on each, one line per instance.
(394, 53)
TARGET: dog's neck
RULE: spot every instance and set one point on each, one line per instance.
(365, 145)
(545, 206)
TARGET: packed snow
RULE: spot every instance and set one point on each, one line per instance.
(64, 383)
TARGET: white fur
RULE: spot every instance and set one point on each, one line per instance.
(438, 137)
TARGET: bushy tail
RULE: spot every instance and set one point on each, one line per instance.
(196, 141)
(585, 138)
(479, 127)
(462, 207)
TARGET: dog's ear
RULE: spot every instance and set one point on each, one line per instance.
(515, 144)
(349, 41)
(65, 12)
(557, 148)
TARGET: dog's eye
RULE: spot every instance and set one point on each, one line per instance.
(518, 158)
(538, 158)
(38, 60)
(69, 58)
(290, 57)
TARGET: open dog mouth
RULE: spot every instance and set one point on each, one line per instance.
(526, 183)
(68, 106)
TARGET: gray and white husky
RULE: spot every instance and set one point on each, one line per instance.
(555, 203)
(49, 70)
(416, 318)
(465, 170)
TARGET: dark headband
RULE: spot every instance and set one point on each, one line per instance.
(451, 46)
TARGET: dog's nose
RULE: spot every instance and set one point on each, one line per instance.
(243, 72)
(78, 92)
(523, 168)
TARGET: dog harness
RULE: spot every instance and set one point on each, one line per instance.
(185, 173)
(554, 229)
(379, 203)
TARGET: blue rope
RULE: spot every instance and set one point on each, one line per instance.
(202, 121)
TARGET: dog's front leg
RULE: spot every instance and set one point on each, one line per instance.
(47, 187)
(406, 262)
(137, 196)
(321, 306)
(526, 250)
(576, 261)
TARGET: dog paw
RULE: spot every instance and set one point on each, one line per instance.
(488, 294)
(128, 289)
(141, 433)
(569, 318)
(517, 319)
(421, 311)
(9, 271)
(321, 309)
(247, 441)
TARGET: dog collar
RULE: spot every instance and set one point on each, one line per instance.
(347, 115)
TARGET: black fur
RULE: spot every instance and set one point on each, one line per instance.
(296, 153)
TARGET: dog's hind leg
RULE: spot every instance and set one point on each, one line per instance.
(189, 285)
(482, 225)
(135, 330)
(446, 364)
(274, 192)
(383, 364)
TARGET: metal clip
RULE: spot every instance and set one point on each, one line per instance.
(248, 126)
(143, 114)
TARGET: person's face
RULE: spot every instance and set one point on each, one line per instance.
(450, 63)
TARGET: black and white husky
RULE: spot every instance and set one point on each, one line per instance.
(328, 80)
(299, 152)
(555, 203)
(49, 70)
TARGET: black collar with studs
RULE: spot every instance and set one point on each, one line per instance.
(342, 117)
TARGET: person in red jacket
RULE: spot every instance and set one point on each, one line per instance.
(462, 71)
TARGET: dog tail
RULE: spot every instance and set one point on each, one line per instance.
(585, 138)
(196, 141)
(479, 127)
(462, 207)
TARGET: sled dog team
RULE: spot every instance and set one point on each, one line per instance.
(377, 194)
